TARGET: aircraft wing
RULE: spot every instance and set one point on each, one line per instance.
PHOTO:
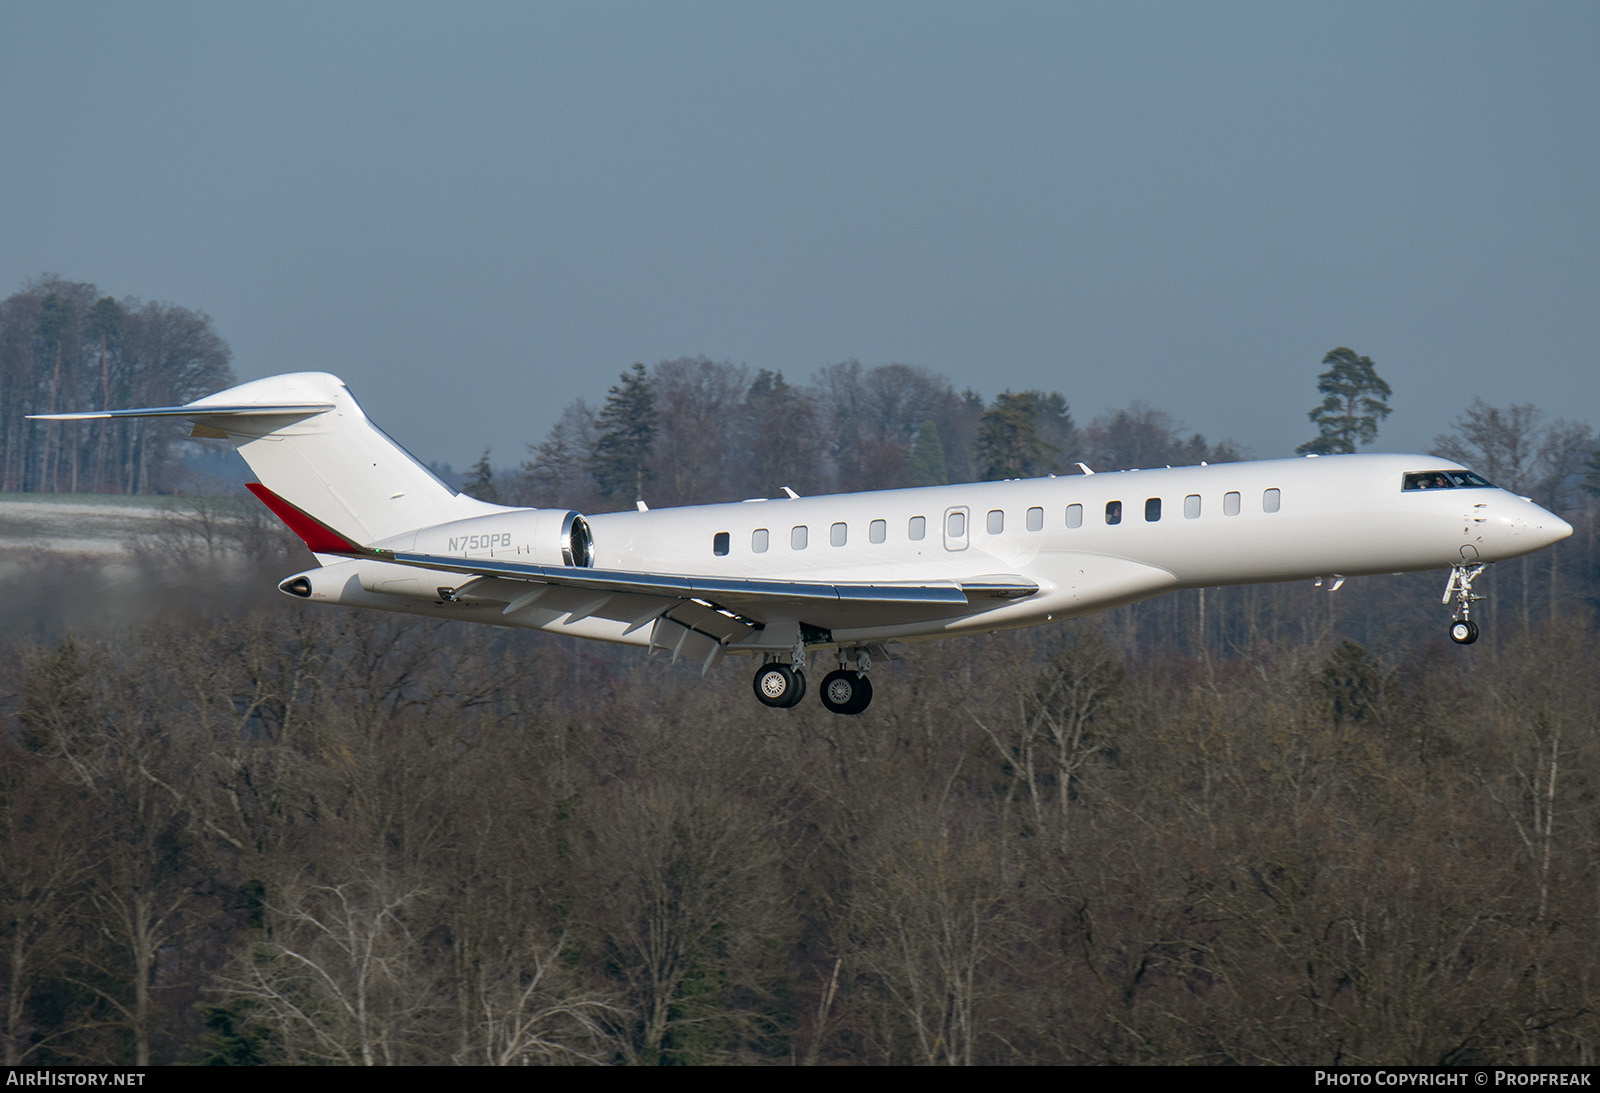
(722, 610)
(748, 597)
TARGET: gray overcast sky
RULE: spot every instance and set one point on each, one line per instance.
(476, 213)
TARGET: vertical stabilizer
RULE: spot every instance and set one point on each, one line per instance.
(308, 441)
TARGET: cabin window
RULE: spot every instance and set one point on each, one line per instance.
(838, 534)
(1230, 504)
(1113, 512)
(1036, 519)
(1191, 507)
(1270, 500)
(719, 544)
(957, 525)
(917, 530)
(758, 541)
(877, 531)
(797, 538)
(1074, 516)
(1152, 510)
(997, 521)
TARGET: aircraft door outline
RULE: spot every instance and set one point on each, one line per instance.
(957, 527)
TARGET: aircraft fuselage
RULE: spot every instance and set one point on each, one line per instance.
(1089, 541)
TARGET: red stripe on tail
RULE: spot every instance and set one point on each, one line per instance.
(318, 536)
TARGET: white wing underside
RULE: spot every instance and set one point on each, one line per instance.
(700, 616)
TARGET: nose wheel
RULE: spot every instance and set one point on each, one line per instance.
(1463, 631)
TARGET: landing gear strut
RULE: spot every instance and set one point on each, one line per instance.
(1463, 631)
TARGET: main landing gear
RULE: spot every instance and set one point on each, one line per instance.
(1463, 631)
(844, 691)
(780, 686)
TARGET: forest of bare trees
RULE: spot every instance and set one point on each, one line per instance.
(281, 834)
(64, 346)
(693, 431)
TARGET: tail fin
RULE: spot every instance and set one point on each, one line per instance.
(307, 440)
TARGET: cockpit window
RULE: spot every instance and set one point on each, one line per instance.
(1445, 480)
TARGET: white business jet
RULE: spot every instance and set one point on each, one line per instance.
(779, 579)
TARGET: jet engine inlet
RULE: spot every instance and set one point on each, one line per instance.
(577, 542)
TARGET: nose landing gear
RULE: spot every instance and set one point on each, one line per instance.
(1463, 631)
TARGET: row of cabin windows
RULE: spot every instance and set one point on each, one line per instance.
(917, 527)
(1271, 501)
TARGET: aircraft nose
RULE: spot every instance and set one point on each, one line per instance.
(1539, 527)
(1510, 525)
(1550, 528)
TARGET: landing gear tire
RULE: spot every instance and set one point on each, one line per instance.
(846, 692)
(1463, 631)
(779, 686)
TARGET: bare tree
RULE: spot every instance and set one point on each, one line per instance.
(1060, 727)
(338, 975)
(699, 406)
(556, 473)
(929, 920)
(526, 1014)
(1142, 436)
(44, 848)
(1517, 449)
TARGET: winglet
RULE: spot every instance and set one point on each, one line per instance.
(318, 536)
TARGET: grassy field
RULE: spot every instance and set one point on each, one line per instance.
(96, 564)
(77, 523)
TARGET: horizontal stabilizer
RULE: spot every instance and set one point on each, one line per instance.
(193, 411)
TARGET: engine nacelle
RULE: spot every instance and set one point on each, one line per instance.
(536, 536)
(568, 533)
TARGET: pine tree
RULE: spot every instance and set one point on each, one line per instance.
(620, 461)
(1009, 445)
(481, 483)
(927, 457)
(1355, 400)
